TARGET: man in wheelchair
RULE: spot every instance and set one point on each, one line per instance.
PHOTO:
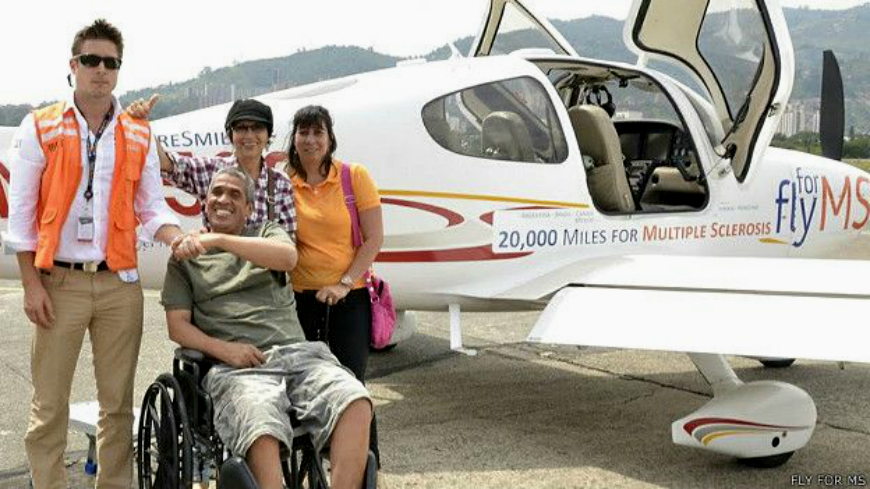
(225, 294)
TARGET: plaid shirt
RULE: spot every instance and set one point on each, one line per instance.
(193, 175)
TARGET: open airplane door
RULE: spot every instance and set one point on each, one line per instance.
(738, 50)
(509, 26)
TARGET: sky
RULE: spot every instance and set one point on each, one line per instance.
(173, 40)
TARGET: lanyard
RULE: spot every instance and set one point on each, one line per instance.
(92, 152)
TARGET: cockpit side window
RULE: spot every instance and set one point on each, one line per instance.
(732, 42)
(511, 120)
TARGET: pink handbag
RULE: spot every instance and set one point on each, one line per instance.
(383, 312)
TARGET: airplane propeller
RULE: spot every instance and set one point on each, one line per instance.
(832, 117)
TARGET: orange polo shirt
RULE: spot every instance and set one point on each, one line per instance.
(323, 229)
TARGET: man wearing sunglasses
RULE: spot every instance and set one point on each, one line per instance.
(84, 175)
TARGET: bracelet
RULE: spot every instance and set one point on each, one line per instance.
(346, 281)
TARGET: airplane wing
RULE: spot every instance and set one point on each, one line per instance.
(792, 308)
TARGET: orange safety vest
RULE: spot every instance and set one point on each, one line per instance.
(58, 133)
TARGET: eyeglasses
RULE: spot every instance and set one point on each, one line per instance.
(94, 60)
(244, 127)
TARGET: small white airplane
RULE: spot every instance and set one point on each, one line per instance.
(636, 210)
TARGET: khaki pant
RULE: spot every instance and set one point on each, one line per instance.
(111, 311)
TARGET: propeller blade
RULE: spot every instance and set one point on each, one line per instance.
(833, 115)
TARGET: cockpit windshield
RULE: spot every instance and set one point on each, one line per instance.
(509, 26)
(516, 31)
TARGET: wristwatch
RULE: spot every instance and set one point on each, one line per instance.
(346, 281)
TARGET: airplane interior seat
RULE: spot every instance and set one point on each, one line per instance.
(597, 138)
(668, 179)
(440, 130)
(667, 191)
(505, 136)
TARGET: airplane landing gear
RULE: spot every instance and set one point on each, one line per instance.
(776, 362)
(760, 423)
(769, 462)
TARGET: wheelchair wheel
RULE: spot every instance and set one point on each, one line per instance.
(164, 457)
(305, 468)
(312, 470)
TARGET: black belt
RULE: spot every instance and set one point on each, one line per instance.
(88, 266)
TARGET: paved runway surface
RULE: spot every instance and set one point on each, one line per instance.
(515, 415)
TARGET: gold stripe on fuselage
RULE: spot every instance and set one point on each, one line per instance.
(488, 198)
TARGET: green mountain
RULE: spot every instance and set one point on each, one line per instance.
(217, 86)
(847, 32)
(252, 78)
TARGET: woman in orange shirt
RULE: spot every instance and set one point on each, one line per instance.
(331, 298)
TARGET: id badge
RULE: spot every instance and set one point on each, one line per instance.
(129, 276)
(86, 228)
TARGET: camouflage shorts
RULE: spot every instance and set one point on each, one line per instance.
(304, 377)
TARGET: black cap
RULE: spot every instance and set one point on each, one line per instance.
(249, 110)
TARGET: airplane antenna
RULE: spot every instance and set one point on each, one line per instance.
(454, 53)
(832, 119)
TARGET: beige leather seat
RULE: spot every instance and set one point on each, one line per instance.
(504, 136)
(436, 123)
(598, 139)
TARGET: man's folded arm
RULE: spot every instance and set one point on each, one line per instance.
(274, 254)
(268, 252)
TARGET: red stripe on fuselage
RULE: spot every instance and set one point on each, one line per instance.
(476, 253)
(453, 218)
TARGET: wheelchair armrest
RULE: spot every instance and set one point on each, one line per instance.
(189, 355)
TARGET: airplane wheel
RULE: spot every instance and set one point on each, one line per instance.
(778, 363)
(384, 349)
(768, 462)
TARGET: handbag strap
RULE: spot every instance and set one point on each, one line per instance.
(350, 202)
(270, 193)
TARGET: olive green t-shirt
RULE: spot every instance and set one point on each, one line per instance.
(232, 299)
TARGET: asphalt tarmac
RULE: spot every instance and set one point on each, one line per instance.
(514, 415)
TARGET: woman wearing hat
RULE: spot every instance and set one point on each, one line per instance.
(249, 127)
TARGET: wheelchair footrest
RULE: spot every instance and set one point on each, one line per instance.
(371, 475)
(235, 474)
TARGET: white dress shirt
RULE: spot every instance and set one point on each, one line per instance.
(27, 162)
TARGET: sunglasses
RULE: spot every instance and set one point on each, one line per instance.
(94, 60)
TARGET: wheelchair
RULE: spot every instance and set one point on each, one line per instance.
(177, 445)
